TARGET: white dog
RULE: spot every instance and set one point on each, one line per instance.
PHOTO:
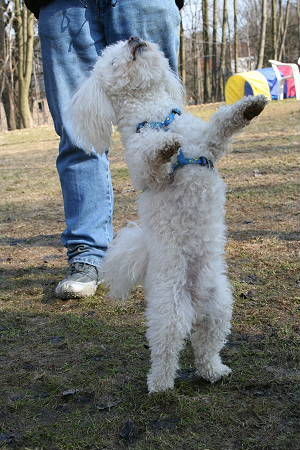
(177, 251)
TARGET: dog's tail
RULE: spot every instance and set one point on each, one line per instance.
(125, 262)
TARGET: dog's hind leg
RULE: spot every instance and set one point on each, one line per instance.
(170, 316)
(213, 315)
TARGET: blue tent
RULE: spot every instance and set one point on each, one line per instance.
(270, 75)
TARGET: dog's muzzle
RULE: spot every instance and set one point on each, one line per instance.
(136, 45)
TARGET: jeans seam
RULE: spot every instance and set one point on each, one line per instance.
(109, 197)
(88, 260)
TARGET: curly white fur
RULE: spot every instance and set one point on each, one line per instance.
(177, 251)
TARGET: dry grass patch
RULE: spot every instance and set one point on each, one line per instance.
(73, 374)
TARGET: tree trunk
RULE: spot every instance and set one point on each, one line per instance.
(214, 77)
(223, 50)
(195, 71)
(206, 52)
(274, 28)
(279, 27)
(6, 88)
(182, 59)
(24, 36)
(2, 50)
(298, 15)
(262, 40)
(286, 21)
(9, 108)
(236, 37)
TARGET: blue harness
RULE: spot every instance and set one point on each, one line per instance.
(182, 160)
(160, 125)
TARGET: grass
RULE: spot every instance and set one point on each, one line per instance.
(73, 374)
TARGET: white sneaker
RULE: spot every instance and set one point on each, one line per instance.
(81, 281)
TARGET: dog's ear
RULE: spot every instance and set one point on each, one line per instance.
(175, 88)
(89, 116)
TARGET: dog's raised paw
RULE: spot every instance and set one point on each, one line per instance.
(255, 107)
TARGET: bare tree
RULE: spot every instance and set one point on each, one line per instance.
(182, 57)
(214, 77)
(259, 28)
(298, 17)
(279, 26)
(236, 35)
(262, 39)
(24, 21)
(284, 31)
(223, 49)
(274, 28)
(206, 51)
(6, 70)
(193, 51)
(196, 69)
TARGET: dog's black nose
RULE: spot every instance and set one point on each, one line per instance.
(133, 39)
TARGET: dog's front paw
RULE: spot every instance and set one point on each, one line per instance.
(169, 149)
(254, 106)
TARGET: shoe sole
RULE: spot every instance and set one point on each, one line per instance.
(66, 290)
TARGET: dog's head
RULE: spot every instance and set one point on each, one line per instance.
(134, 65)
(129, 68)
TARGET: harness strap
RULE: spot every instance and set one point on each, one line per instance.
(160, 125)
(182, 160)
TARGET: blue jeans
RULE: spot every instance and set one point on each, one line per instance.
(73, 33)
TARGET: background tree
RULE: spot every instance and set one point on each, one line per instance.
(236, 35)
(6, 68)
(279, 25)
(214, 77)
(262, 38)
(274, 28)
(206, 51)
(217, 38)
(223, 50)
(298, 23)
(182, 56)
(24, 21)
(284, 30)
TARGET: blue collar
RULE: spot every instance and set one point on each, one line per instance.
(183, 161)
(160, 125)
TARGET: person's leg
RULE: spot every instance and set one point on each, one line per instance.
(71, 40)
(72, 37)
(153, 20)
